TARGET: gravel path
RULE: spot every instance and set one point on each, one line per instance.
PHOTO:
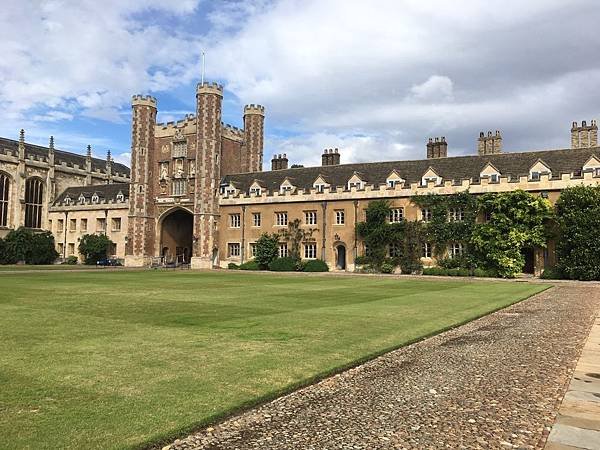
(496, 382)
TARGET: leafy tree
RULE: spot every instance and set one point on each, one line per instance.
(94, 247)
(295, 235)
(29, 247)
(267, 249)
(578, 246)
(517, 220)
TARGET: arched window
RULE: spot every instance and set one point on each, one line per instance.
(34, 190)
(4, 191)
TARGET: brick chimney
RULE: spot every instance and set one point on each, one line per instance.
(330, 157)
(490, 144)
(584, 136)
(437, 148)
(279, 162)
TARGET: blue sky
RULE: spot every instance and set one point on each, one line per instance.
(375, 79)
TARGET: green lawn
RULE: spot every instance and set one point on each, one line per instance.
(118, 359)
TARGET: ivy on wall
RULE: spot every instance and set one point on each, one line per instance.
(439, 230)
(378, 235)
(493, 228)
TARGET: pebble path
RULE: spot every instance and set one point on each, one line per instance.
(496, 382)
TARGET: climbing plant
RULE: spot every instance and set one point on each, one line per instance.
(513, 221)
(578, 246)
(439, 230)
(294, 234)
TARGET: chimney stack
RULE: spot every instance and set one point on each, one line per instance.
(584, 136)
(490, 144)
(330, 157)
(437, 148)
(279, 162)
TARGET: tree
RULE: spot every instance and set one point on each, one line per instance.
(267, 249)
(578, 246)
(516, 220)
(24, 245)
(295, 235)
(94, 247)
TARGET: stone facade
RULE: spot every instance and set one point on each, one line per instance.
(32, 176)
(177, 168)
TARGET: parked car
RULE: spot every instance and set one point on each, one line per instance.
(106, 262)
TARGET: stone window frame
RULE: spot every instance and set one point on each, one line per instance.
(282, 250)
(394, 250)
(456, 250)
(426, 250)
(256, 219)
(310, 250)
(234, 249)
(456, 215)
(116, 224)
(281, 219)
(72, 225)
(179, 187)
(83, 224)
(5, 186)
(252, 249)
(340, 217)
(34, 202)
(235, 220)
(396, 214)
(310, 217)
(426, 214)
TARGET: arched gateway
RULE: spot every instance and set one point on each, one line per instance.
(176, 236)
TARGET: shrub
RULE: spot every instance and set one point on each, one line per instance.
(453, 263)
(249, 265)
(94, 247)
(285, 264)
(267, 248)
(552, 273)
(361, 260)
(4, 257)
(233, 266)
(485, 273)
(453, 272)
(71, 260)
(30, 247)
(387, 268)
(316, 265)
(578, 246)
(462, 272)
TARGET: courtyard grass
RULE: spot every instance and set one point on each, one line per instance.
(123, 359)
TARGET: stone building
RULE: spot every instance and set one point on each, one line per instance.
(176, 168)
(32, 177)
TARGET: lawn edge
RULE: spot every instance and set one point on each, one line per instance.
(167, 438)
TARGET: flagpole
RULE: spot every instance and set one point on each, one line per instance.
(203, 67)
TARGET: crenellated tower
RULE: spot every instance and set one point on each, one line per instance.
(254, 119)
(209, 98)
(141, 227)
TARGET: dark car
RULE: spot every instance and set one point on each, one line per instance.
(108, 262)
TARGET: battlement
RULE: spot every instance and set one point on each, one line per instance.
(143, 100)
(188, 119)
(254, 109)
(232, 132)
(209, 88)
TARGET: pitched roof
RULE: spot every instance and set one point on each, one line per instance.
(105, 192)
(513, 164)
(41, 153)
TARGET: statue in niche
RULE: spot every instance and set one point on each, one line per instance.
(165, 148)
(179, 168)
(179, 135)
(192, 164)
(164, 170)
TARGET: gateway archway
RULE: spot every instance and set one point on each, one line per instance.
(176, 236)
(340, 260)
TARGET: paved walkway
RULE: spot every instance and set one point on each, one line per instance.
(496, 382)
(578, 421)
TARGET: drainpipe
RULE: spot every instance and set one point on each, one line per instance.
(355, 223)
(65, 235)
(243, 244)
(323, 247)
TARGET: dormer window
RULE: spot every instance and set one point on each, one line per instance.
(392, 183)
(120, 197)
(597, 172)
(357, 185)
(426, 180)
(255, 190)
(394, 180)
(320, 184)
(534, 176)
(95, 198)
(319, 188)
(68, 200)
(81, 199)
(494, 178)
(539, 169)
(230, 191)
(286, 187)
(430, 175)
